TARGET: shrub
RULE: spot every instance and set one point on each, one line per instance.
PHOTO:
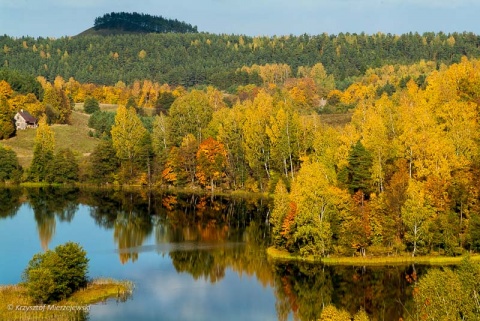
(91, 105)
(10, 169)
(55, 275)
(102, 122)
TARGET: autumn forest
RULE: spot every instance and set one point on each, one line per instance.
(369, 144)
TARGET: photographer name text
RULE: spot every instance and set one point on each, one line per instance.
(49, 307)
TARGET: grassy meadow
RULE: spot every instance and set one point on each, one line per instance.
(74, 136)
(336, 120)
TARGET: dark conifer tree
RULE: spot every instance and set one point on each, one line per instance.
(357, 175)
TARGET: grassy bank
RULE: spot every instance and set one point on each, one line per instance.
(283, 256)
(15, 304)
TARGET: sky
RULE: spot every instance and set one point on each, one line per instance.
(58, 18)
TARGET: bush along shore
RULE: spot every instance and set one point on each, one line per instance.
(55, 287)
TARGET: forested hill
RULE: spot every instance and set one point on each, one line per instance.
(199, 58)
(141, 23)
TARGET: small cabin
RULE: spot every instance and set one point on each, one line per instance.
(24, 120)
(323, 102)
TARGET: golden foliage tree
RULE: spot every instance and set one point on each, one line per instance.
(283, 133)
(43, 149)
(189, 114)
(319, 201)
(281, 203)
(127, 133)
(255, 139)
(6, 90)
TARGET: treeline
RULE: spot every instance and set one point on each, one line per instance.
(139, 22)
(208, 59)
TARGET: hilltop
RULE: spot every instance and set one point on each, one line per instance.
(116, 23)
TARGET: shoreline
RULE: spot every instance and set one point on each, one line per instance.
(137, 187)
(17, 305)
(283, 256)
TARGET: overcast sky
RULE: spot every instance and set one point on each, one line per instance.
(57, 18)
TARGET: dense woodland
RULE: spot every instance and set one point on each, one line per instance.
(403, 170)
(190, 59)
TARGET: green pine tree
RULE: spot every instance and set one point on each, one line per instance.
(357, 174)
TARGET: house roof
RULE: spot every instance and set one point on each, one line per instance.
(28, 118)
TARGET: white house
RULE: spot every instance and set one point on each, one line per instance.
(24, 120)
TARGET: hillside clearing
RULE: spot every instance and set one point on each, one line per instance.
(103, 107)
(74, 136)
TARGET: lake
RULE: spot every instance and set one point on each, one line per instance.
(191, 257)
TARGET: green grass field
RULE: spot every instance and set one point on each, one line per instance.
(103, 107)
(74, 136)
(113, 108)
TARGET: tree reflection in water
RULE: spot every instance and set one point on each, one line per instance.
(130, 231)
(10, 201)
(234, 227)
(218, 222)
(305, 289)
(48, 203)
(207, 236)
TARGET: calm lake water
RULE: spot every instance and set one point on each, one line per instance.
(190, 257)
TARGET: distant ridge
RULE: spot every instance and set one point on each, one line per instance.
(123, 22)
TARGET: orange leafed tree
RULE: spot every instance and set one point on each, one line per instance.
(289, 220)
(211, 162)
(168, 174)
